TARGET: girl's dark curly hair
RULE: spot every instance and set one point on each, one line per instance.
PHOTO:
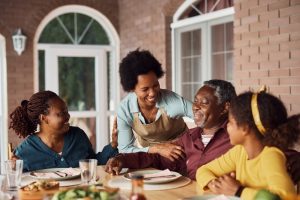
(281, 131)
(25, 118)
(137, 63)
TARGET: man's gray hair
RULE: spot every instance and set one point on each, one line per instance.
(224, 90)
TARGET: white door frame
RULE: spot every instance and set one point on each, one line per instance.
(3, 104)
(52, 53)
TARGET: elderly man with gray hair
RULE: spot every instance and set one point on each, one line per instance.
(202, 144)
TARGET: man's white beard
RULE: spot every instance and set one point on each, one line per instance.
(201, 124)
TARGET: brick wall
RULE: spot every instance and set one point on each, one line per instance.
(146, 24)
(267, 48)
(28, 15)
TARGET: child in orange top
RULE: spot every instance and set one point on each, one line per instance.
(260, 129)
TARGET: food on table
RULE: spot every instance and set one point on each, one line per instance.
(41, 185)
(89, 193)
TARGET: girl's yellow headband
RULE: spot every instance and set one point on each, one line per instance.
(255, 111)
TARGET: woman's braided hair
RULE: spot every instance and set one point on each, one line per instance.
(25, 118)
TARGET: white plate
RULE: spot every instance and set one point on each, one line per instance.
(154, 180)
(53, 170)
(208, 197)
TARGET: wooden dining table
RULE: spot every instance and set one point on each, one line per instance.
(187, 190)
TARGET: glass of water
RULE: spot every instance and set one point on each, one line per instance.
(88, 169)
(13, 169)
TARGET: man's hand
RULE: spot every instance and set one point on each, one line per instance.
(113, 166)
(226, 184)
(114, 134)
(171, 151)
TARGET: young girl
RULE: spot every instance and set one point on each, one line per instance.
(56, 144)
(260, 129)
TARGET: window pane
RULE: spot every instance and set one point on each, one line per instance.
(41, 70)
(77, 82)
(217, 38)
(88, 125)
(51, 31)
(229, 66)
(95, 35)
(186, 44)
(196, 72)
(218, 67)
(189, 90)
(229, 36)
(196, 42)
(186, 74)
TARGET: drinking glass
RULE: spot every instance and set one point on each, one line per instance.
(87, 170)
(13, 169)
(2, 182)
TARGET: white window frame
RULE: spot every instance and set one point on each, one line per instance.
(3, 104)
(113, 48)
(204, 22)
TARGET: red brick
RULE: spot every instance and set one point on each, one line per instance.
(289, 45)
(295, 19)
(279, 72)
(266, 2)
(295, 109)
(278, 5)
(250, 82)
(258, 10)
(242, 29)
(279, 22)
(269, 48)
(290, 81)
(236, 23)
(269, 15)
(242, 13)
(250, 50)
(289, 29)
(249, 35)
(292, 10)
(295, 36)
(269, 65)
(295, 2)
(295, 72)
(282, 55)
(295, 89)
(260, 26)
(259, 74)
(269, 32)
(249, 4)
(241, 74)
(259, 57)
(241, 43)
(242, 59)
(249, 19)
(290, 63)
(279, 89)
(259, 41)
(280, 38)
(290, 99)
(269, 81)
(295, 54)
(250, 66)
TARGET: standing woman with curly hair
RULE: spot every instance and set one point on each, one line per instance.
(56, 144)
(153, 114)
(261, 131)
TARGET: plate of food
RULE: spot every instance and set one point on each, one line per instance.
(38, 189)
(212, 197)
(154, 176)
(57, 174)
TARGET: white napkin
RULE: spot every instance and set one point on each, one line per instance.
(163, 173)
(219, 197)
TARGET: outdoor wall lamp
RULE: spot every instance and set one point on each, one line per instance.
(19, 41)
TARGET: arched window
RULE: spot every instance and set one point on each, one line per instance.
(202, 35)
(77, 56)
